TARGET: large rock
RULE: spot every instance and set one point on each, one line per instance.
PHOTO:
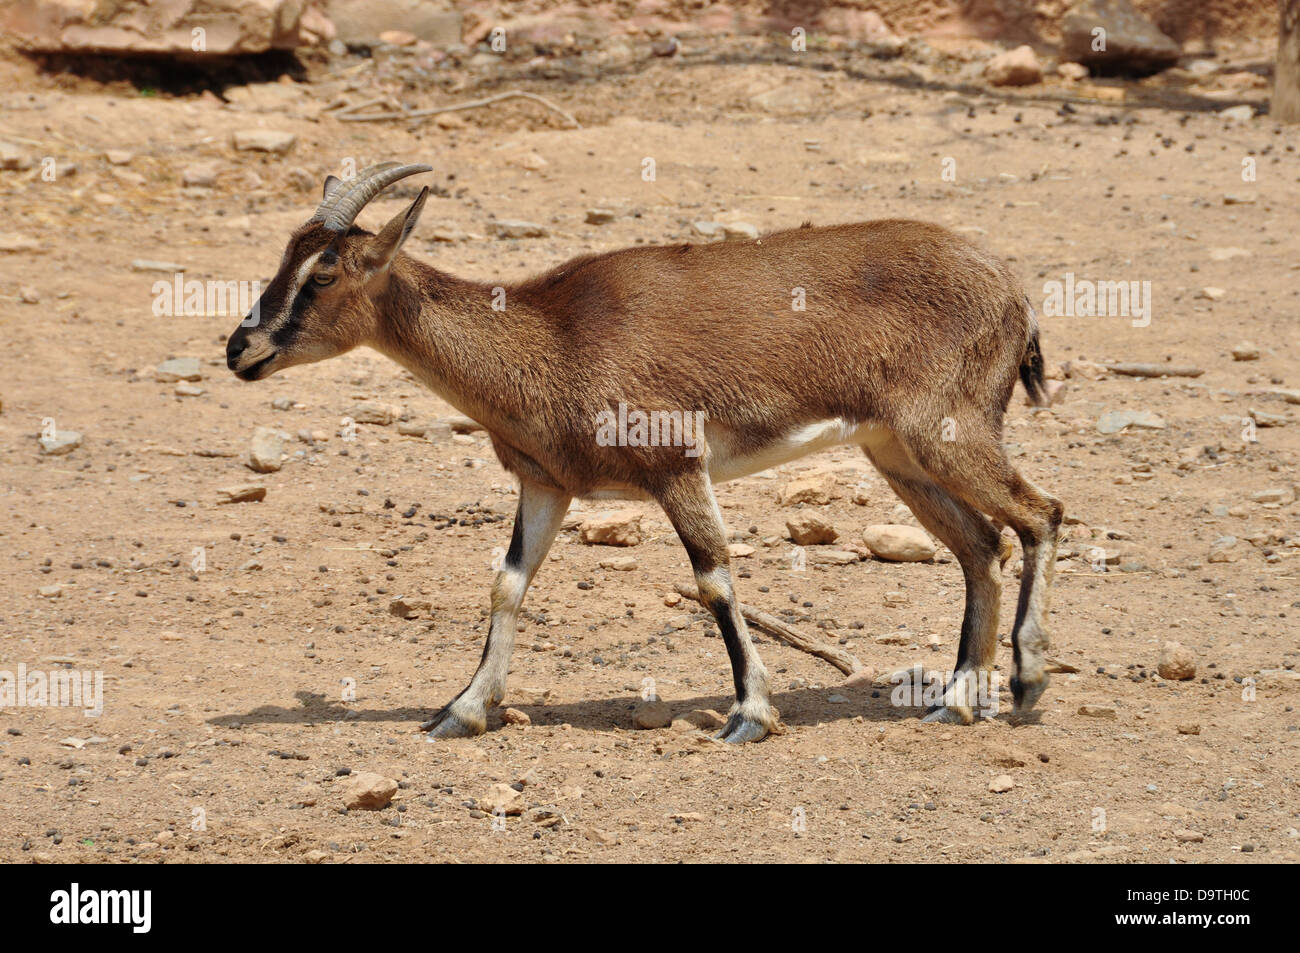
(1132, 43)
(360, 22)
(168, 26)
(898, 543)
(265, 450)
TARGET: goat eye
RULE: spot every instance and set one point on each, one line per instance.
(322, 279)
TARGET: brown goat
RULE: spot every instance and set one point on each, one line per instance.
(898, 336)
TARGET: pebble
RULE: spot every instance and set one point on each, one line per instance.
(243, 493)
(371, 413)
(178, 369)
(185, 389)
(263, 140)
(505, 228)
(1184, 836)
(653, 714)
(266, 450)
(1001, 784)
(1018, 67)
(810, 529)
(60, 442)
(600, 216)
(619, 528)
(409, 608)
(501, 799)
(816, 489)
(740, 232)
(1245, 351)
(513, 716)
(898, 543)
(1114, 421)
(1176, 662)
(368, 791)
(1097, 711)
(1243, 113)
(619, 564)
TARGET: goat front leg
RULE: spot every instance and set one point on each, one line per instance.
(691, 507)
(541, 510)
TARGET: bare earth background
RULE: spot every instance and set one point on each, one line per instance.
(223, 687)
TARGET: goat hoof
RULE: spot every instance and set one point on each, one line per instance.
(1027, 693)
(738, 730)
(448, 724)
(950, 716)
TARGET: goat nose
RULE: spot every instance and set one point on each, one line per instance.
(234, 347)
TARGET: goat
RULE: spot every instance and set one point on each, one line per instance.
(898, 336)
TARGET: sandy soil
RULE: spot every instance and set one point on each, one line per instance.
(224, 728)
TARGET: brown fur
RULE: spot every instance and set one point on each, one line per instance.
(906, 327)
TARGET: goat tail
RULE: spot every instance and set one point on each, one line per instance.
(1032, 371)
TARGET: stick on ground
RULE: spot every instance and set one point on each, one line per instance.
(846, 662)
(457, 107)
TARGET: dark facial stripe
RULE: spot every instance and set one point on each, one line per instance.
(284, 334)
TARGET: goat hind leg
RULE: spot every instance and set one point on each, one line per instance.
(541, 510)
(976, 544)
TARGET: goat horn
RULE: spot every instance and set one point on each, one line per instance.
(342, 205)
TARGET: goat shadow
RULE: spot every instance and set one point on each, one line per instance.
(805, 706)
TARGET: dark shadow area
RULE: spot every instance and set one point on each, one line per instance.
(171, 76)
(797, 707)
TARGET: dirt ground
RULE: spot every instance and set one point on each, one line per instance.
(225, 729)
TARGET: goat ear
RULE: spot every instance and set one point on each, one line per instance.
(332, 182)
(381, 249)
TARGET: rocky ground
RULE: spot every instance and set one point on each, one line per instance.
(266, 662)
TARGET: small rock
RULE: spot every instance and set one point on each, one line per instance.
(809, 529)
(1189, 729)
(600, 216)
(653, 714)
(502, 799)
(60, 442)
(1225, 549)
(1277, 494)
(1243, 113)
(398, 38)
(513, 716)
(178, 369)
(1245, 351)
(199, 176)
(367, 791)
(699, 719)
(1185, 836)
(185, 389)
(1072, 72)
(1018, 67)
(516, 229)
(1001, 784)
(265, 450)
(740, 550)
(372, 413)
(263, 140)
(244, 493)
(29, 295)
(1176, 662)
(619, 564)
(1114, 421)
(816, 489)
(898, 543)
(620, 528)
(1097, 711)
(409, 608)
(709, 230)
(118, 157)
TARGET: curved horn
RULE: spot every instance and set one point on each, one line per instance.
(342, 205)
